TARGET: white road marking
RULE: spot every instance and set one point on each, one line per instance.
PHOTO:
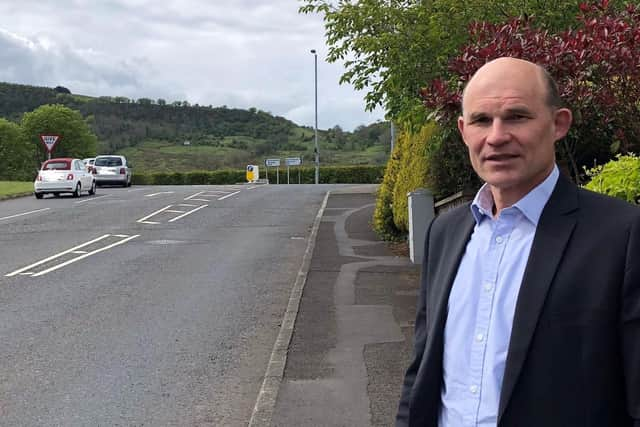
(85, 256)
(194, 195)
(148, 222)
(25, 213)
(93, 198)
(187, 205)
(188, 213)
(156, 212)
(155, 194)
(229, 195)
(174, 211)
(200, 200)
(57, 255)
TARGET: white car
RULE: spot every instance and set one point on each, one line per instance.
(88, 162)
(63, 175)
(112, 170)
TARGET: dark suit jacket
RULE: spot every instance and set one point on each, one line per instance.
(574, 353)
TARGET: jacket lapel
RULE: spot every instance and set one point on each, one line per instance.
(552, 235)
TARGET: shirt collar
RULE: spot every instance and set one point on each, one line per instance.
(530, 205)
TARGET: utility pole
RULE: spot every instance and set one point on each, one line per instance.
(316, 151)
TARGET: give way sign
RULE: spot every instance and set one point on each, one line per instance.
(49, 141)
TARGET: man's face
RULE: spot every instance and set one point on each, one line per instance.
(509, 129)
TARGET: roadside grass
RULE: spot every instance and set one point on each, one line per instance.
(162, 156)
(14, 188)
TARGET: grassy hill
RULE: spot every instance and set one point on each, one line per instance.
(161, 136)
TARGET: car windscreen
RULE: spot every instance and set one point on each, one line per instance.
(108, 161)
(56, 166)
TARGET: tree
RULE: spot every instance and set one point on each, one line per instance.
(62, 89)
(77, 140)
(390, 48)
(19, 154)
(594, 64)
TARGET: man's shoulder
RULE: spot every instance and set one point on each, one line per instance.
(454, 217)
(592, 203)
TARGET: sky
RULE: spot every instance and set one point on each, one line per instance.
(238, 53)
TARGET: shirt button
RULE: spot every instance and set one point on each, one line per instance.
(488, 287)
(473, 389)
(499, 239)
(480, 337)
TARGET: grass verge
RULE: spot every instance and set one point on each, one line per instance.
(10, 189)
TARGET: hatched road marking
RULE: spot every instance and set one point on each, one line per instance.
(60, 260)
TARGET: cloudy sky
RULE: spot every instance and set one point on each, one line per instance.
(239, 53)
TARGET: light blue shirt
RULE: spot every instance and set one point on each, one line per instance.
(482, 304)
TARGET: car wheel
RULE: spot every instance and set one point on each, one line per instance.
(92, 191)
(77, 192)
(39, 195)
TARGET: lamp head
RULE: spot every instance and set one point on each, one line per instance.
(313, 51)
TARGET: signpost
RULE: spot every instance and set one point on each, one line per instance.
(273, 163)
(293, 161)
(49, 142)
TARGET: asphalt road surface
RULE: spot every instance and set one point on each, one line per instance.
(146, 306)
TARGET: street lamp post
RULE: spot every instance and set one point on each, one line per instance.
(316, 151)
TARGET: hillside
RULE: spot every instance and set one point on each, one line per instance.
(156, 133)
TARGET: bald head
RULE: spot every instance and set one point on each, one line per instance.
(507, 69)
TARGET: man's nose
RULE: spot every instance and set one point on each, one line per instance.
(498, 133)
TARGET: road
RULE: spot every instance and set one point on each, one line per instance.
(146, 306)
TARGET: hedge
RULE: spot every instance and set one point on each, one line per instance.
(328, 175)
(618, 178)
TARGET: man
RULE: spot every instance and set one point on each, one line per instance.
(529, 310)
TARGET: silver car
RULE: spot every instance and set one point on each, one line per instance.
(112, 169)
(63, 175)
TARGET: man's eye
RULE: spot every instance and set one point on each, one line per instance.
(516, 117)
(481, 120)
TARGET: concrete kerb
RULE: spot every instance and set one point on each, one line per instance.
(268, 394)
(15, 196)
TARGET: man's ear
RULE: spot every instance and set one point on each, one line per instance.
(562, 120)
(461, 126)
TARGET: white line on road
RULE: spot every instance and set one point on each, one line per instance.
(148, 222)
(57, 255)
(188, 213)
(174, 211)
(93, 198)
(194, 195)
(199, 200)
(25, 213)
(229, 195)
(188, 205)
(155, 194)
(85, 255)
(156, 212)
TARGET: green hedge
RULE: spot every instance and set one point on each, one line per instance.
(618, 178)
(328, 175)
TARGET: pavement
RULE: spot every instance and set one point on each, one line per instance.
(352, 337)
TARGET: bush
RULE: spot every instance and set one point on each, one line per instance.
(383, 223)
(412, 174)
(618, 178)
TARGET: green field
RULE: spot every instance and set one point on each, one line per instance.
(12, 188)
(160, 156)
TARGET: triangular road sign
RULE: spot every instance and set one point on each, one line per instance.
(49, 141)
